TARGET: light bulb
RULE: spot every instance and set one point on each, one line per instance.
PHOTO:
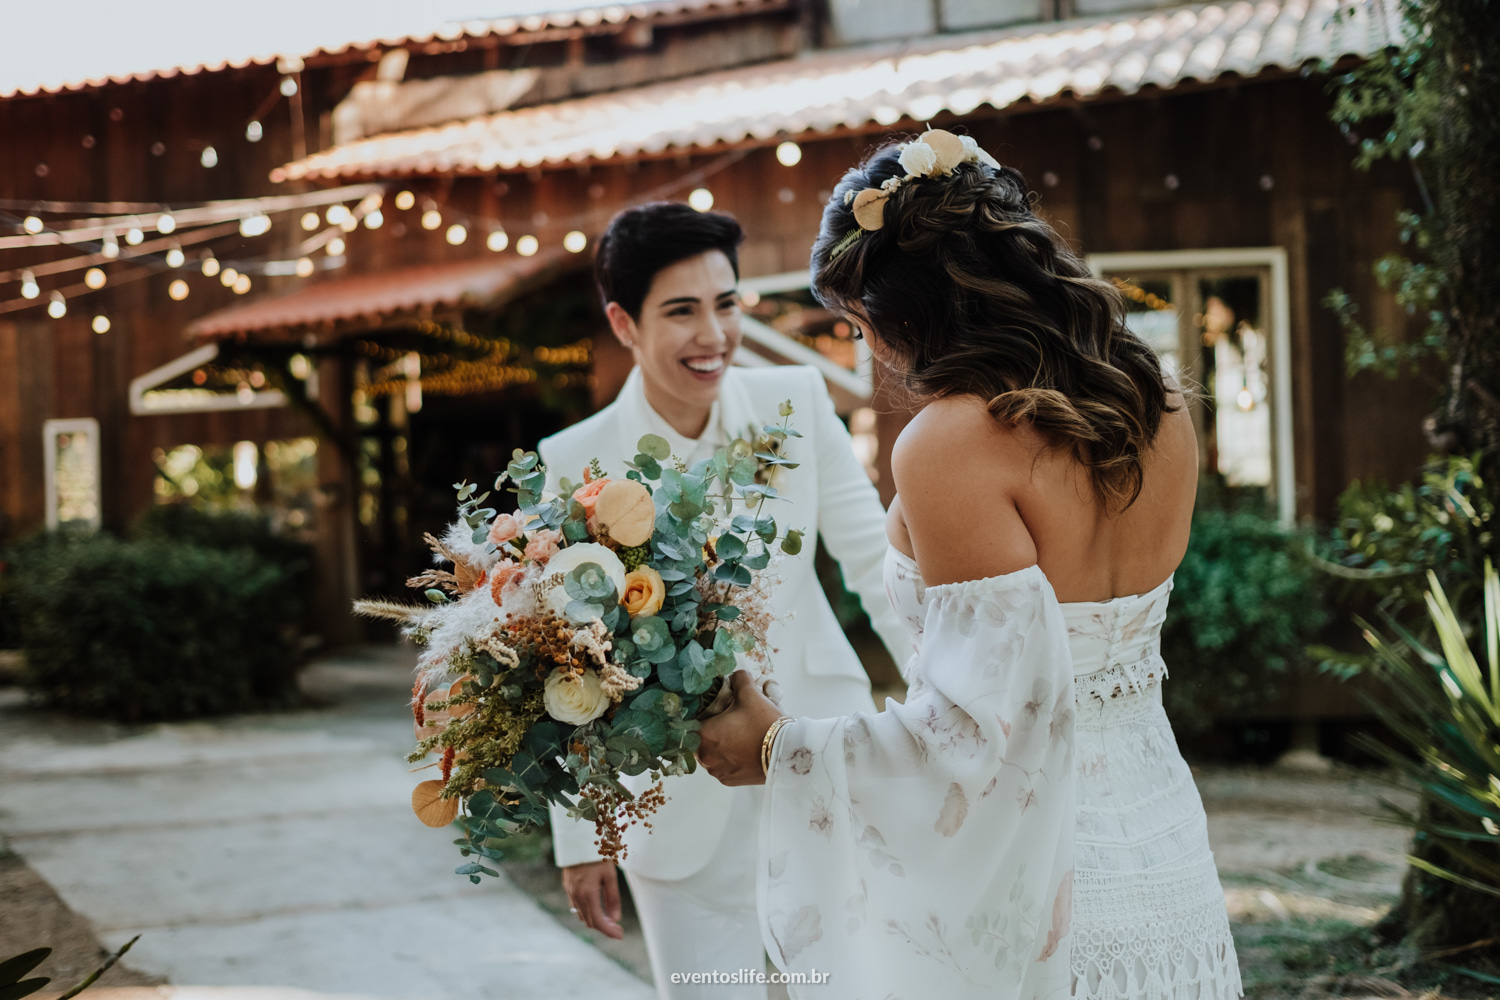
(100, 323)
(702, 199)
(228, 276)
(242, 284)
(335, 247)
(209, 157)
(432, 218)
(29, 289)
(175, 257)
(133, 236)
(32, 225)
(788, 154)
(58, 307)
(253, 132)
(310, 221)
(456, 234)
(177, 290)
(94, 278)
(288, 86)
(575, 241)
(374, 220)
(405, 200)
(336, 214)
(304, 266)
(210, 266)
(299, 366)
(255, 225)
(750, 297)
(1245, 399)
(110, 248)
(350, 224)
(527, 245)
(166, 225)
(497, 240)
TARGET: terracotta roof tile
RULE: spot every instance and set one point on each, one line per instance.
(858, 88)
(364, 300)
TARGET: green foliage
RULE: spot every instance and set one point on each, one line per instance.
(1446, 717)
(1245, 605)
(159, 628)
(1386, 541)
(12, 986)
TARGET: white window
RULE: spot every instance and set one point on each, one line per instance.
(72, 473)
(1220, 320)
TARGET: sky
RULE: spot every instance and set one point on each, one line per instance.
(51, 42)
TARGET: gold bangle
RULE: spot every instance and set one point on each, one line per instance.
(769, 741)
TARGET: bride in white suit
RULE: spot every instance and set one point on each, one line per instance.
(668, 277)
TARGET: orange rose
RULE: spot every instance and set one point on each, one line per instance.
(588, 494)
(644, 592)
(504, 574)
(542, 545)
(504, 527)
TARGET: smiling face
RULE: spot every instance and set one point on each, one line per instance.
(687, 331)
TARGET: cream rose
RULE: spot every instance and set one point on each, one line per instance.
(574, 701)
(644, 592)
(918, 159)
(569, 559)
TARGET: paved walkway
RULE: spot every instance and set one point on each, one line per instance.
(279, 852)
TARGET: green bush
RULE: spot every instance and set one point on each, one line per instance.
(1245, 605)
(155, 627)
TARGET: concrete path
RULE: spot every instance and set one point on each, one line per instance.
(279, 851)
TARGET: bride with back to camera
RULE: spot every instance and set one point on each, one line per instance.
(1023, 825)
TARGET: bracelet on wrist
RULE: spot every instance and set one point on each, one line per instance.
(768, 743)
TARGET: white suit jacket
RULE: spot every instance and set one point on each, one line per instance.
(828, 495)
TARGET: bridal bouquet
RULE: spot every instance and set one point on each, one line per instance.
(585, 636)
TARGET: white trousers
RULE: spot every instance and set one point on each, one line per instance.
(706, 923)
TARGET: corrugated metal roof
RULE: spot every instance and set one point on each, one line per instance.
(362, 301)
(208, 48)
(879, 86)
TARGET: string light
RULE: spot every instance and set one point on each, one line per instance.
(166, 225)
(175, 257)
(288, 86)
(58, 307)
(29, 289)
(750, 297)
(432, 218)
(336, 214)
(497, 240)
(209, 157)
(788, 154)
(110, 247)
(32, 224)
(701, 199)
(374, 220)
(350, 224)
(94, 278)
(255, 225)
(253, 132)
(133, 236)
(335, 247)
(304, 266)
(575, 241)
(210, 266)
(405, 200)
(300, 367)
(527, 245)
(100, 323)
(309, 221)
(177, 290)
(242, 284)
(456, 234)
(228, 277)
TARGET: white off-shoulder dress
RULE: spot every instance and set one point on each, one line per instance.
(1149, 921)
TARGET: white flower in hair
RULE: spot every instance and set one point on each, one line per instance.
(973, 152)
(918, 159)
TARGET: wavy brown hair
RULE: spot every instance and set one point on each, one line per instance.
(973, 294)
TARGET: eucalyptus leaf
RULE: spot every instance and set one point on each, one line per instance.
(655, 447)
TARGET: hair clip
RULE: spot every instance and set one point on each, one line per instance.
(937, 153)
(843, 245)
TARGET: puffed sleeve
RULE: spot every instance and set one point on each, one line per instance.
(927, 850)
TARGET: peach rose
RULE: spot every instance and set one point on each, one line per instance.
(644, 592)
(502, 576)
(504, 527)
(542, 545)
(588, 494)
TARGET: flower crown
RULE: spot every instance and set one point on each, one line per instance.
(936, 154)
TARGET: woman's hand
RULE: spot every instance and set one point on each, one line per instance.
(730, 747)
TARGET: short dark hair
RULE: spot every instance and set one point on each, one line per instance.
(641, 241)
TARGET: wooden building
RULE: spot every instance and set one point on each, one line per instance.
(421, 301)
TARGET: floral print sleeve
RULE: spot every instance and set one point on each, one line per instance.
(926, 851)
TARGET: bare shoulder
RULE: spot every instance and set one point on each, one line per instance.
(958, 472)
